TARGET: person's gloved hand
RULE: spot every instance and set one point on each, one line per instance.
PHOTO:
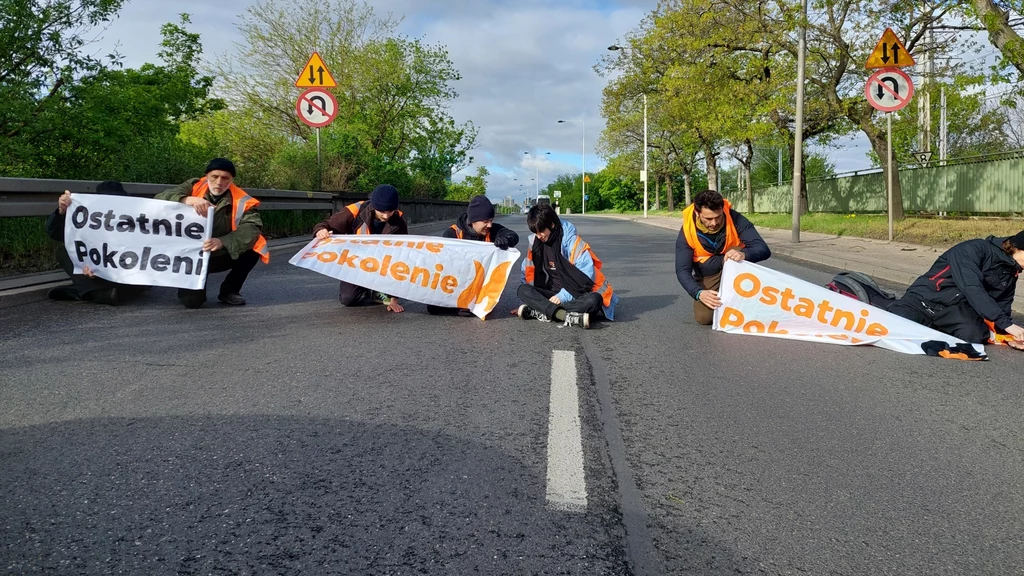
(501, 242)
(957, 352)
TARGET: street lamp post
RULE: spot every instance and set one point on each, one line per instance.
(536, 175)
(583, 177)
(643, 173)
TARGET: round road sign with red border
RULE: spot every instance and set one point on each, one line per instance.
(889, 89)
(316, 107)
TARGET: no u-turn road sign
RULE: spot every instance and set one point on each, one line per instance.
(889, 89)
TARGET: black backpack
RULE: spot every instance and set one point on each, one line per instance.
(862, 287)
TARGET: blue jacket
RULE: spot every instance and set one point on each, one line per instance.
(584, 262)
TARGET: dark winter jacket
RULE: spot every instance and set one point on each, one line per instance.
(976, 270)
(497, 231)
(344, 223)
(688, 271)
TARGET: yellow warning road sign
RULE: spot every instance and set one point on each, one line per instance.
(586, 178)
(889, 53)
(315, 74)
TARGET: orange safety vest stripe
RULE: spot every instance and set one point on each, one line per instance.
(459, 234)
(700, 254)
(354, 210)
(601, 284)
(240, 203)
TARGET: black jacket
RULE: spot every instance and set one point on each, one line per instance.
(976, 270)
(342, 222)
(497, 231)
(687, 271)
(55, 225)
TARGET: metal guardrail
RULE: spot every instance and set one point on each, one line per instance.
(38, 197)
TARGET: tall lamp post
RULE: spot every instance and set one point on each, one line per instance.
(643, 173)
(583, 178)
(536, 174)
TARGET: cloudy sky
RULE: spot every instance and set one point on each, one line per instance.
(525, 65)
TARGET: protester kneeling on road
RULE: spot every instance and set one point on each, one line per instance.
(969, 287)
(236, 242)
(477, 223)
(562, 277)
(86, 286)
(711, 233)
(379, 215)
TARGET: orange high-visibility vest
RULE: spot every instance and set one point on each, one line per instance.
(601, 284)
(240, 202)
(354, 210)
(700, 254)
(459, 234)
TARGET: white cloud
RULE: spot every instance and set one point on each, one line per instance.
(525, 65)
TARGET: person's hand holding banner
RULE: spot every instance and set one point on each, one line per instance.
(137, 241)
(438, 271)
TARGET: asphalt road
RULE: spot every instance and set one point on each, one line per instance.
(295, 436)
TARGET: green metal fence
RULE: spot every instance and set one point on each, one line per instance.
(983, 187)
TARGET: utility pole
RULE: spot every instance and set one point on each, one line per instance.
(924, 103)
(943, 135)
(645, 156)
(798, 136)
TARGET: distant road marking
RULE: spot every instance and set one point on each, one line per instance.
(567, 485)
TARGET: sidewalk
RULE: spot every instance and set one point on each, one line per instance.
(895, 262)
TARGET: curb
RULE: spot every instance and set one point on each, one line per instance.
(36, 292)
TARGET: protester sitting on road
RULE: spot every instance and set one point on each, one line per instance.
(969, 284)
(86, 286)
(477, 223)
(711, 233)
(562, 277)
(236, 242)
(379, 215)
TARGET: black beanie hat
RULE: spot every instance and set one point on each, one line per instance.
(221, 164)
(1018, 240)
(111, 188)
(384, 198)
(480, 208)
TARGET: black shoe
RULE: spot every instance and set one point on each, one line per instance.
(66, 293)
(232, 299)
(107, 296)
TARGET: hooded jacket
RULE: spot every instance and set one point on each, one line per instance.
(583, 262)
(343, 222)
(497, 231)
(976, 270)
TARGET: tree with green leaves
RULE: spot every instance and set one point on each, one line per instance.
(470, 186)
(392, 123)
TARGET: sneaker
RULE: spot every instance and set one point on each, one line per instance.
(525, 312)
(63, 293)
(232, 299)
(379, 298)
(577, 319)
(103, 296)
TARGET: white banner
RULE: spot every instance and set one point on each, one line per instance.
(428, 269)
(138, 241)
(759, 300)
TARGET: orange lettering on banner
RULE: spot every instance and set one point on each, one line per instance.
(400, 271)
(733, 318)
(749, 285)
(433, 247)
(489, 292)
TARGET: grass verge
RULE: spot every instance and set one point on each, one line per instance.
(936, 232)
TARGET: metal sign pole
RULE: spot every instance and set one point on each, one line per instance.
(319, 170)
(888, 123)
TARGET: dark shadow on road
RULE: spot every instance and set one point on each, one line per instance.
(280, 495)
